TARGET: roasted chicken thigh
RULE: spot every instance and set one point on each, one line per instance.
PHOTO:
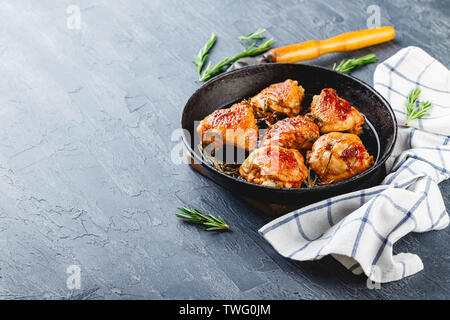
(335, 114)
(275, 167)
(234, 126)
(278, 161)
(296, 132)
(284, 97)
(338, 156)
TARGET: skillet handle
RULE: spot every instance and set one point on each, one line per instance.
(341, 43)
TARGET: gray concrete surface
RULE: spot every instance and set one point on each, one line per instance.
(86, 117)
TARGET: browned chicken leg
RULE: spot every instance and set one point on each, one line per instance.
(275, 167)
(338, 156)
(284, 97)
(234, 126)
(296, 132)
(335, 114)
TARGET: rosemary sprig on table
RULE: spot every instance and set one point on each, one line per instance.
(203, 53)
(253, 50)
(412, 110)
(346, 66)
(252, 37)
(212, 223)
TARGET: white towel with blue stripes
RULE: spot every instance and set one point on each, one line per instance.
(359, 229)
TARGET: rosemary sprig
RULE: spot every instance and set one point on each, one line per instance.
(310, 181)
(212, 223)
(252, 37)
(211, 71)
(203, 53)
(412, 110)
(346, 66)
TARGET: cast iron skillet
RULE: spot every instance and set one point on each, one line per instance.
(380, 130)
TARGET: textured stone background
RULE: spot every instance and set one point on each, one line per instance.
(85, 174)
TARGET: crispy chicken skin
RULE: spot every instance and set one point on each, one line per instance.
(335, 114)
(234, 126)
(284, 97)
(296, 132)
(275, 167)
(338, 156)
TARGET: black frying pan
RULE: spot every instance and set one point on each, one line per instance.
(379, 135)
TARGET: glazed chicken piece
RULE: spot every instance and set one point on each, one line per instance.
(296, 132)
(338, 156)
(284, 97)
(234, 126)
(275, 167)
(335, 114)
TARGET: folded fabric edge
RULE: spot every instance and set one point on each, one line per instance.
(410, 263)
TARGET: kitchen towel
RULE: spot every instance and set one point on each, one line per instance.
(359, 229)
